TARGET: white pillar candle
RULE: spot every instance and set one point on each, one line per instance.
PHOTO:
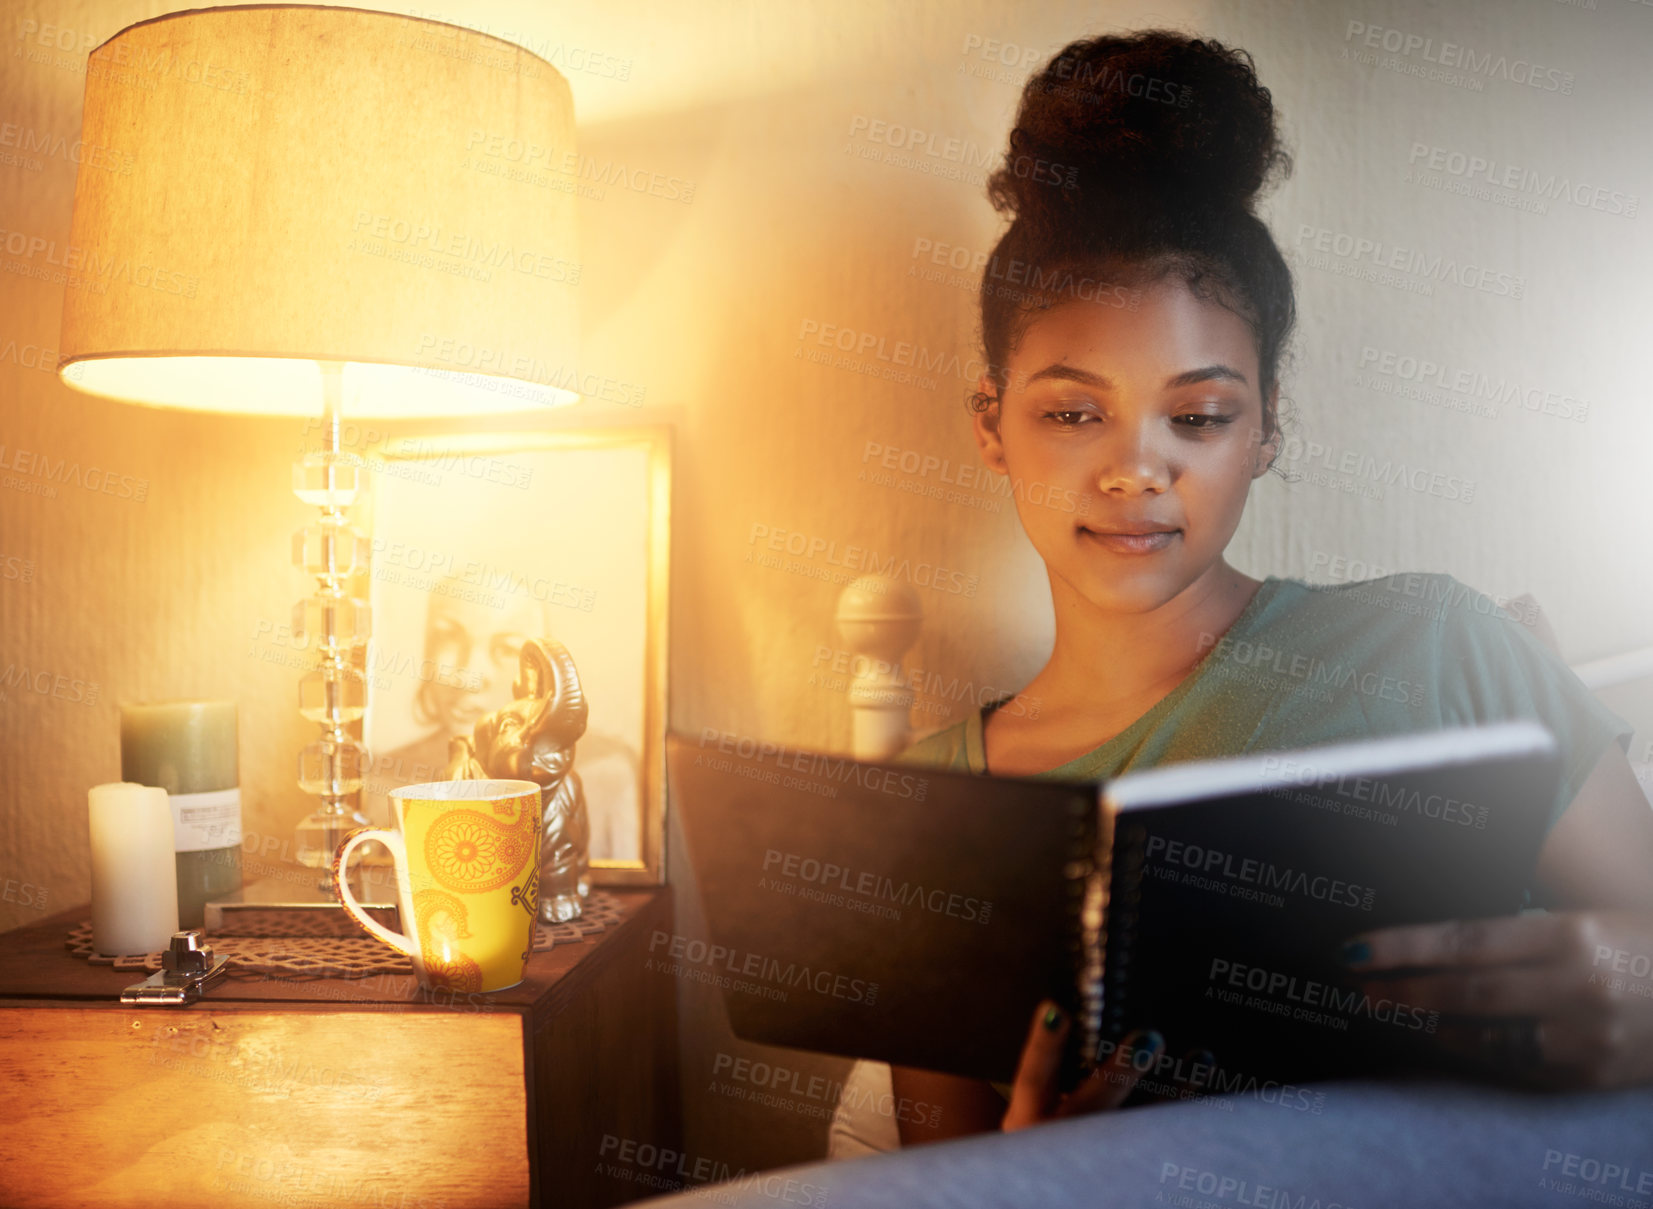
(134, 875)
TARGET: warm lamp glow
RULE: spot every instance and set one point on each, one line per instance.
(319, 214)
(287, 386)
(342, 188)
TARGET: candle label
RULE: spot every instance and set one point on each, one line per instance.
(206, 820)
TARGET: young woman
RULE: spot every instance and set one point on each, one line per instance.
(1138, 374)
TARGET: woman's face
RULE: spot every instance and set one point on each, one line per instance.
(480, 646)
(1131, 438)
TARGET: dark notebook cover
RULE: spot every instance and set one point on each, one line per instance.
(917, 917)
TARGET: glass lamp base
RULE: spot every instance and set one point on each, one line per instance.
(318, 837)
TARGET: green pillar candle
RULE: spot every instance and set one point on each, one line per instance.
(188, 748)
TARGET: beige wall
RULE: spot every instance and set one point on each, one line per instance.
(760, 105)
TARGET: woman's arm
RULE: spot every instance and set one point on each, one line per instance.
(970, 1106)
(1600, 852)
(967, 1105)
(1562, 999)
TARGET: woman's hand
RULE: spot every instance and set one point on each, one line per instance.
(1036, 1094)
(1562, 1000)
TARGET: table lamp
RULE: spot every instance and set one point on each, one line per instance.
(325, 213)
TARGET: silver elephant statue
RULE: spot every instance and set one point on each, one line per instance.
(532, 739)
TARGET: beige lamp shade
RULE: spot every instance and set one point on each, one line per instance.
(285, 185)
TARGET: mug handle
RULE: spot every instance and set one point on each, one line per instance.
(341, 861)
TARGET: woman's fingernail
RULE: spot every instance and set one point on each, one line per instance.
(1355, 952)
(1053, 1018)
(1142, 1043)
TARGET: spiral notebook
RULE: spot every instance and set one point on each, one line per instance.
(891, 912)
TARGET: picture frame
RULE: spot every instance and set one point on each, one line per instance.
(481, 540)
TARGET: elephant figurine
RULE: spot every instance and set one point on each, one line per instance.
(532, 739)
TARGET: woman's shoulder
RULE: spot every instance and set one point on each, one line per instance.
(1471, 652)
(1463, 656)
(1402, 594)
(1403, 607)
(939, 749)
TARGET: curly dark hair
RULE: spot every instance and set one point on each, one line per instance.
(1134, 157)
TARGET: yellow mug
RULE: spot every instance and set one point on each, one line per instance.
(467, 857)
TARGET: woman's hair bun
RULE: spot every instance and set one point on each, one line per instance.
(1148, 118)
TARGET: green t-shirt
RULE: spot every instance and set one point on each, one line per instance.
(1308, 664)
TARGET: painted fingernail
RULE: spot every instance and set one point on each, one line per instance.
(1143, 1044)
(1355, 952)
(1053, 1018)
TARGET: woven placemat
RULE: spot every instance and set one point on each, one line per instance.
(601, 911)
(288, 946)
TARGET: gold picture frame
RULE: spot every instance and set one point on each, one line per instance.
(477, 539)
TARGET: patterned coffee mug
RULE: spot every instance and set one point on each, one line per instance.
(467, 859)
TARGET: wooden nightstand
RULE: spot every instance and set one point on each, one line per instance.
(331, 1092)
